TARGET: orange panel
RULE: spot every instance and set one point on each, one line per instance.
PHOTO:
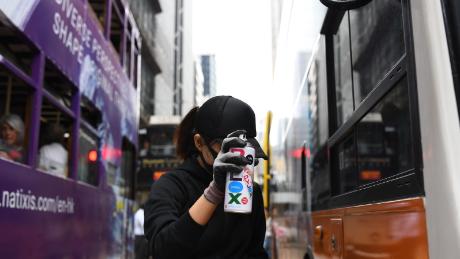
(336, 241)
(394, 230)
(323, 232)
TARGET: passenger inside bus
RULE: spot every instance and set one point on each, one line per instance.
(53, 155)
(145, 151)
(162, 144)
(12, 135)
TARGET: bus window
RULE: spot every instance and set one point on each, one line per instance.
(129, 50)
(123, 179)
(89, 154)
(16, 49)
(384, 140)
(136, 64)
(128, 55)
(377, 43)
(99, 9)
(15, 103)
(88, 157)
(343, 80)
(451, 10)
(57, 85)
(116, 26)
(126, 181)
(89, 113)
(344, 165)
(380, 146)
(55, 140)
(157, 154)
(161, 141)
(318, 130)
(320, 178)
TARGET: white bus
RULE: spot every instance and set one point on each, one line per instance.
(383, 145)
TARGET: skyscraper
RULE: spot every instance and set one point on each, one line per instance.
(208, 66)
(167, 61)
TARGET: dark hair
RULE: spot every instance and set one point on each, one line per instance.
(183, 136)
(54, 133)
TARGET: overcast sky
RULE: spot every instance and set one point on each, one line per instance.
(238, 32)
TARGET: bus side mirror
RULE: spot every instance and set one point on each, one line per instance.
(344, 5)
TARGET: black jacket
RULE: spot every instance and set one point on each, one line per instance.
(172, 233)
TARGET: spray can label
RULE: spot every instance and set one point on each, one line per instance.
(239, 187)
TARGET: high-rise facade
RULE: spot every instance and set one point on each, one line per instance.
(167, 61)
(185, 53)
(144, 13)
(199, 81)
(208, 66)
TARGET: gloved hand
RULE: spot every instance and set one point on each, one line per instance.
(224, 163)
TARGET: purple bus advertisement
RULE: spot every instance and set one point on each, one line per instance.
(69, 74)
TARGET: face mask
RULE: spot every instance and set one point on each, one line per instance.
(208, 167)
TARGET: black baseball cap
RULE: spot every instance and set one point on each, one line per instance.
(222, 115)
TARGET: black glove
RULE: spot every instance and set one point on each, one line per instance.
(224, 163)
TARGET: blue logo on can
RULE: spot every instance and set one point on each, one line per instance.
(235, 187)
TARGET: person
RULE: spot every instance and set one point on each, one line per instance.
(145, 151)
(184, 215)
(268, 233)
(12, 135)
(52, 155)
(140, 243)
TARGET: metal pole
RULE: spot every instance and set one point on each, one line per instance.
(266, 144)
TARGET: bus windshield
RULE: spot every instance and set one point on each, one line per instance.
(157, 154)
(158, 142)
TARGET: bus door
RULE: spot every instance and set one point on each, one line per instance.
(328, 235)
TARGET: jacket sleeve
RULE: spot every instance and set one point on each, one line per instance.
(171, 232)
(257, 243)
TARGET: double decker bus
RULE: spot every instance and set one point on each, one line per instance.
(382, 89)
(69, 74)
(157, 152)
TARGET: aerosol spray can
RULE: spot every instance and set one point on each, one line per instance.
(239, 187)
